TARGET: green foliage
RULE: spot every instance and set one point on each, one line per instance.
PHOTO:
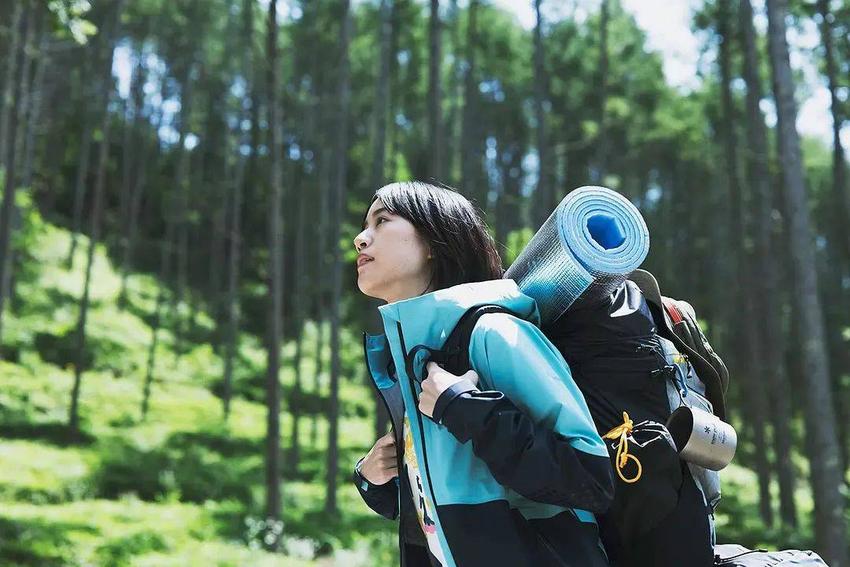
(181, 487)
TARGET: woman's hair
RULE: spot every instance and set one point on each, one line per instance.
(462, 249)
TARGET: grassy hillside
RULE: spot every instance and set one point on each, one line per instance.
(179, 488)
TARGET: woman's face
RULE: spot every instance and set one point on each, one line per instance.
(393, 261)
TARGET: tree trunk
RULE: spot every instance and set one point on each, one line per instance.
(381, 99)
(235, 232)
(275, 335)
(543, 193)
(36, 108)
(300, 318)
(8, 131)
(164, 269)
(453, 138)
(9, 101)
(134, 208)
(471, 160)
(320, 278)
(97, 213)
(839, 179)
(181, 188)
(94, 235)
(602, 140)
(827, 477)
(435, 118)
(746, 334)
(767, 273)
(344, 98)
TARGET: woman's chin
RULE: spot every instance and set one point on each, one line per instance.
(366, 289)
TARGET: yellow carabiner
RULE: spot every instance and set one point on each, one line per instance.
(622, 432)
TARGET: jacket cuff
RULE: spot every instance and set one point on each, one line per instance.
(362, 483)
(449, 395)
(468, 414)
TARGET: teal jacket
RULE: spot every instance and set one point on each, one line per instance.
(522, 450)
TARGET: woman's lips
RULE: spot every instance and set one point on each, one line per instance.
(363, 260)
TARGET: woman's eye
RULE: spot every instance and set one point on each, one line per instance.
(379, 220)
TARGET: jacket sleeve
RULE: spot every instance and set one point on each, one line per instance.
(533, 427)
(382, 498)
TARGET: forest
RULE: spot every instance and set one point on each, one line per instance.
(181, 362)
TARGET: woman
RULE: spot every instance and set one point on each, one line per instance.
(524, 491)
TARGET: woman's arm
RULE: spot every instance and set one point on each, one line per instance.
(533, 429)
(375, 477)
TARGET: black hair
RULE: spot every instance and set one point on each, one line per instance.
(462, 249)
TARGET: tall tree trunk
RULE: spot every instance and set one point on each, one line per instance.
(543, 193)
(164, 269)
(767, 275)
(839, 178)
(321, 277)
(300, 318)
(26, 81)
(235, 232)
(379, 153)
(97, 213)
(827, 477)
(471, 160)
(137, 193)
(37, 99)
(132, 129)
(94, 235)
(182, 183)
(435, 117)
(602, 95)
(747, 333)
(453, 145)
(10, 85)
(344, 97)
(275, 335)
(382, 98)
(8, 130)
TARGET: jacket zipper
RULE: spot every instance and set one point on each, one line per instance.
(398, 452)
(408, 364)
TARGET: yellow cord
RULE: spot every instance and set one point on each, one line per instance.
(623, 455)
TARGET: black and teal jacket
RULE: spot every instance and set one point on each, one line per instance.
(516, 469)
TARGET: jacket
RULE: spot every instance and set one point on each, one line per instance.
(514, 471)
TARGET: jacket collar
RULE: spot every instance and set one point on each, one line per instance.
(428, 319)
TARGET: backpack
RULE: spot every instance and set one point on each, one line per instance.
(629, 362)
(731, 555)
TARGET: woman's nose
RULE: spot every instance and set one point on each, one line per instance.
(360, 241)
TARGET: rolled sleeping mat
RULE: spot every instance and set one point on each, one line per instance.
(587, 247)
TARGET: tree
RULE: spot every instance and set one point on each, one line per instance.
(8, 130)
(766, 276)
(543, 193)
(602, 139)
(471, 160)
(840, 189)
(341, 170)
(435, 120)
(235, 208)
(826, 474)
(275, 288)
(96, 215)
(754, 379)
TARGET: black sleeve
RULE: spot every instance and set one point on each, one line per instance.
(382, 498)
(535, 461)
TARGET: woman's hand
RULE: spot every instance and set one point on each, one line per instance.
(437, 382)
(380, 466)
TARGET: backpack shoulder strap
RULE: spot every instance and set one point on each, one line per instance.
(677, 322)
(454, 356)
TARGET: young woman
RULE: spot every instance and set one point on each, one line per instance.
(500, 466)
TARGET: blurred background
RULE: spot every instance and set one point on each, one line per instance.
(181, 379)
